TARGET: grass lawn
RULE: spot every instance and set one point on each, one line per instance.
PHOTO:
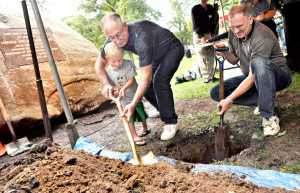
(196, 89)
(192, 89)
(295, 86)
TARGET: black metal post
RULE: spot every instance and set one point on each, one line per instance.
(39, 82)
(71, 128)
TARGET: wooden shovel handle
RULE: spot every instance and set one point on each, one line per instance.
(7, 120)
(127, 129)
(221, 88)
(3, 111)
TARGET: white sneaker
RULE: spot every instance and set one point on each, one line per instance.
(271, 126)
(256, 111)
(169, 132)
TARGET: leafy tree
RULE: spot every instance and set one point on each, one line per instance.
(180, 24)
(186, 6)
(88, 28)
(227, 4)
(129, 10)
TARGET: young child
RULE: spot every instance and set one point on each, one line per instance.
(121, 74)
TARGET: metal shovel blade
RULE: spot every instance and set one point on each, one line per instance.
(221, 148)
(147, 159)
(17, 147)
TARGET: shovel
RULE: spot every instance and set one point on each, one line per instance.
(17, 146)
(2, 149)
(149, 158)
(221, 149)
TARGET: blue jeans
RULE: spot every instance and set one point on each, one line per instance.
(268, 79)
(159, 93)
(281, 34)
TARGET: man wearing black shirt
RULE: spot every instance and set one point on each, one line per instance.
(160, 53)
(205, 25)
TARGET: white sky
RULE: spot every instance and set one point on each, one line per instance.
(62, 8)
(164, 7)
(56, 8)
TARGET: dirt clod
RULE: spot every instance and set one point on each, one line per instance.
(33, 182)
(69, 160)
(131, 182)
(163, 184)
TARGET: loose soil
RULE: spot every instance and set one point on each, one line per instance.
(52, 169)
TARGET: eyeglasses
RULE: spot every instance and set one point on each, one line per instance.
(118, 35)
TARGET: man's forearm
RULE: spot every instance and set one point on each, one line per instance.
(242, 88)
(231, 58)
(100, 70)
(141, 89)
(144, 84)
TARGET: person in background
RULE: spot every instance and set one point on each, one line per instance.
(263, 11)
(205, 21)
(280, 31)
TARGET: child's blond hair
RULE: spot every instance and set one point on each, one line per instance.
(111, 50)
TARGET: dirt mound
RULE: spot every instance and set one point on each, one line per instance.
(48, 168)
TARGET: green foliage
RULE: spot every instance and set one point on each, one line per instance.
(227, 4)
(181, 25)
(129, 10)
(88, 28)
(181, 22)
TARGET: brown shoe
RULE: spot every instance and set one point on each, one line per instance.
(144, 133)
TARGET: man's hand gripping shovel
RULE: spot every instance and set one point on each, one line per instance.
(149, 158)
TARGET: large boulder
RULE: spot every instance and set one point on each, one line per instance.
(74, 56)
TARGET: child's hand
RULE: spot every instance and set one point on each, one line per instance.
(115, 92)
(107, 90)
(122, 92)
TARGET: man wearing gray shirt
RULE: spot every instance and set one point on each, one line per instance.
(263, 65)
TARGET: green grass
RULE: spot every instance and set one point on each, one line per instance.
(191, 89)
(196, 89)
(295, 86)
(201, 120)
(187, 90)
(292, 168)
